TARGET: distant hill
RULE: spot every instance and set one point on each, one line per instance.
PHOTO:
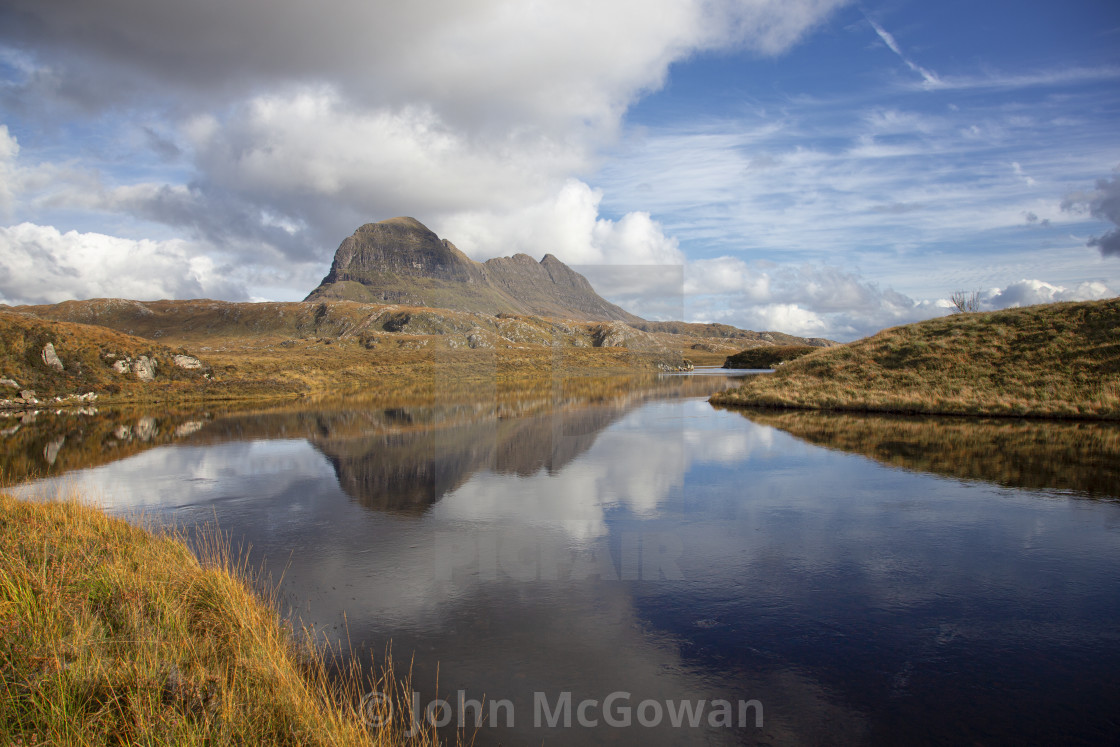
(400, 261)
(1054, 360)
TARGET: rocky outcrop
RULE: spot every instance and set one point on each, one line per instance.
(144, 368)
(50, 357)
(400, 261)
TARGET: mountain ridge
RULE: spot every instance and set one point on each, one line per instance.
(402, 261)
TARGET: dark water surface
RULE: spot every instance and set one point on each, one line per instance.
(864, 581)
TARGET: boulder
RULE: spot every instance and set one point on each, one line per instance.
(9, 383)
(28, 396)
(122, 366)
(50, 357)
(144, 368)
(187, 361)
(475, 341)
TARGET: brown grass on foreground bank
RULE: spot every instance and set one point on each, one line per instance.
(1056, 360)
(110, 634)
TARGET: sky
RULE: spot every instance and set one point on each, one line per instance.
(816, 167)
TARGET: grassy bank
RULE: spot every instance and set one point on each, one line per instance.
(1055, 360)
(110, 634)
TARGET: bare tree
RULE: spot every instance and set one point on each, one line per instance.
(966, 302)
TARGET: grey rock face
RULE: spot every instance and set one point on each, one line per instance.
(50, 357)
(401, 261)
(144, 368)
(122, 366)
(9, 383)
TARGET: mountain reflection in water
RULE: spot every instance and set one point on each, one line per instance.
(396, 455)
(623, 536)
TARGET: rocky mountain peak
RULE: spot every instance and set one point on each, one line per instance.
(400, 260)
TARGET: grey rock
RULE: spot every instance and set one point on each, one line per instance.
(9, 383)
(28, 396)
(50, 357)
(476, 341)
(400, 261)
(144, 368)
(122, 366)
(187, 361)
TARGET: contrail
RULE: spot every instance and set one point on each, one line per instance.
(928, 76)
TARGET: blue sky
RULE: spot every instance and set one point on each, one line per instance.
(811, 166)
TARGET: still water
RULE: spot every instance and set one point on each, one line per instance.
(621, 561)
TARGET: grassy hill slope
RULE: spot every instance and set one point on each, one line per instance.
(1055, 360)
(204, 324)
(87, 353)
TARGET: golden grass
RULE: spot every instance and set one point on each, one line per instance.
(256, 351)
(1055, 360)
(111, 634)
(243, 364)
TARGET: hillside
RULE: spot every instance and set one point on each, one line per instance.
(400, 261)
(208, 326)
(732, 335)
(1055, 360)
(63, 359)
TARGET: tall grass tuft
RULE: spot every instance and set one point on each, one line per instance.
(111, 633)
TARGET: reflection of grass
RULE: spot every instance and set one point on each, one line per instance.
(112, 635)
(1078, 456)
(1057, 360)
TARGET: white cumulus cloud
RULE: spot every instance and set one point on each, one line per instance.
(39, 264)
(566, 224)
(1027, 292)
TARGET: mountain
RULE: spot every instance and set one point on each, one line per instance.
(400, 261)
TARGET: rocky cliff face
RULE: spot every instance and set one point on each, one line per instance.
(402, 261)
